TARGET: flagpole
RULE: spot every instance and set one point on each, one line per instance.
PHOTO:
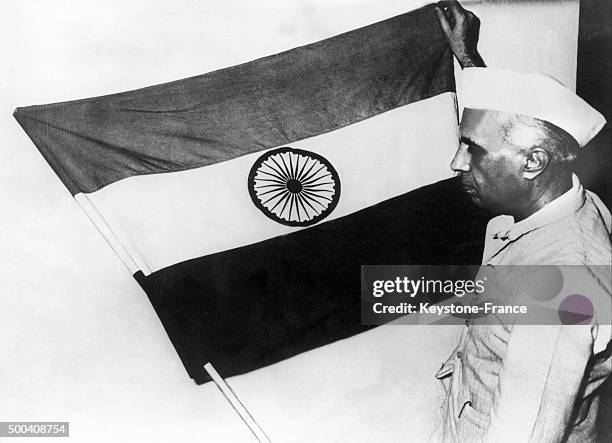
(238, 406)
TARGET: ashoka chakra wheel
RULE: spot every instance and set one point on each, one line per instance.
(294, 187)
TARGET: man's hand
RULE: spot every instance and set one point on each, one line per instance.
(461, 28)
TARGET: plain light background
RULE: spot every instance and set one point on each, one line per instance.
(79, 340)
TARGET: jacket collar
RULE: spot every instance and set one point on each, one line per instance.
(503, 227)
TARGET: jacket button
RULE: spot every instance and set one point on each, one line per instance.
(459, 354)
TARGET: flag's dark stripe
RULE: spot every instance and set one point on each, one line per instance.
(249, 307)
(246, 108)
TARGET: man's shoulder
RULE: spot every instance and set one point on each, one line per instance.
(595, 209)
(582, 238)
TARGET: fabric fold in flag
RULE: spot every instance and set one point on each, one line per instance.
(245, 200)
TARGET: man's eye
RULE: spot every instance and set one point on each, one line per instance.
(475, 151)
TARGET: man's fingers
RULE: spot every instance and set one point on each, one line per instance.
(461, 28)
(453, 11)
(445, 13)
(451, 6)
(449, 3)
(446, 28)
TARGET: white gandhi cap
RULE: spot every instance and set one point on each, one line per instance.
(534, 95)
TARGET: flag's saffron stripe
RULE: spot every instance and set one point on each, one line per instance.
(246, 108)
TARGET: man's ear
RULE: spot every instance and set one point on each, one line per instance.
(536, 161)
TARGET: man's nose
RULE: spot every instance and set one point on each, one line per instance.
(461, 160)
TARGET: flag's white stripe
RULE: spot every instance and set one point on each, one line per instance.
(163, 219)
(108, 234)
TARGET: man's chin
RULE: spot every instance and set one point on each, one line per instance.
(476, 201)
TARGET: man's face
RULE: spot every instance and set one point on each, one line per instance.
(490, 158)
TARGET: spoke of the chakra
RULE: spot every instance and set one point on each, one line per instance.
(297, 208)
(285, 204)
(280, 171)
(279, 193)
(285, 196)
(272, 171)
(270, 180)
(314, 200)
(314, 174)
(286, 170)
(314, 180)
(269, 186)
(302, 172)
(297, 165)
(276, 175)
(291, 206)
(303, 199)
(300, 178)
(317, 185)
(279, 189)
(318, 191)
(312, 194)
(331, 191)
(299, 200)
(299, 174)
(291, 167)
(283, 166)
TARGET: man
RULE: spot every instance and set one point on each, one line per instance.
(520, 133)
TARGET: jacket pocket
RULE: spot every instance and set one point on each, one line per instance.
(469, 415)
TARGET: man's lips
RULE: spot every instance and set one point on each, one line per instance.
(467, 185)
(469, 189)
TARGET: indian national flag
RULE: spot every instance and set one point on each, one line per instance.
(245, 200)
